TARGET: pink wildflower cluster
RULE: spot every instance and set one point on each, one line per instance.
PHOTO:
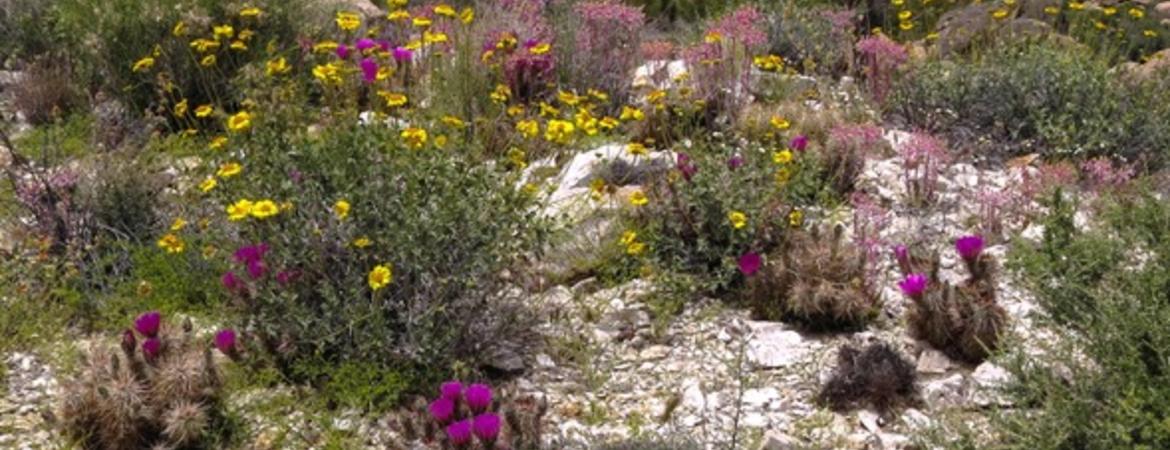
(1103, 174)
(608, 41)
(881, 57)
(923, 160)
(994, 205)
(861, 139)
(742, 26)
(869, 219)
(464, 412)
(657, 50)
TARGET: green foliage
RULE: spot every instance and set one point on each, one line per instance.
(1036, 97)
(447, 228)
(687, 225)
(368, 387)
(807, 40)
(670, 11)
(1105, 385)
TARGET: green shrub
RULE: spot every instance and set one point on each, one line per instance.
(443, 233)
(1035, 97)
(689, 220)
(807, 39)
(1105, 385)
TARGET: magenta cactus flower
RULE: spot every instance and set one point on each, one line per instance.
(459, 433)
(403, 55)
(442, 410)
(369, 70)
(342, 51)
(148, 323)
(913, 286)
(487, 428)
(225, 341)
(478, 397)
(151, 348)
(902, 256)
(245, 255)
(257, 269)
(364, 44)
(969, 247)
(799, 143)
(451, 390)
(750, 263)
(231, 282)
(384, 45)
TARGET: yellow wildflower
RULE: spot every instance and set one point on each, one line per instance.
(443, 9)
(171, 243)
(609, 123)
(421, 22)
(179, 224)
(362, 242)
(325, 47)
(341, 209)
(415, 137)
(782, 157)
(568, 98)
(515, 110)
(278, 66)
(999, 14)
(629, 237)
(713, 37)
(207, 61)
(517, 158)
(250, 12)
(501, 94)
(208, 184)
(796, 218)
(540, 49)
(348, 21)
(181, 108)
(738, 219)
(264, 209)
(217, 142)
(239, 46)
(779, 123)
(635, 248)
(453, 121)
(1052, 10)
(223, 31)
(240, 121)
(239, 210)
(398, 15)
(380, 276)
(434, 38)
(204, 45)
(1137, 13)
(393, 99)
(528, 128)
(180, 29)
(559, 131)
(143, 64)
(638, 198)
(467, 15)
(548, 110)
(230, 169)
(600, 96)
(1076, 6)
(636, 149)
(631, 113)
(328, 73)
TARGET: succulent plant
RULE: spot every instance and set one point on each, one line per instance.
(818, 280)
(472, 418)
(162, 393)
(962, 321)
(877, 375)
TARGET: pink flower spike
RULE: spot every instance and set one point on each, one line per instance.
(479, 397)
(442, 410)
(487, 428)
(451, 390)
(459, 433)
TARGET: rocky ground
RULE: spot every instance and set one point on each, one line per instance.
(611, 369)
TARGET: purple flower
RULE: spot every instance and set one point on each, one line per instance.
(231, 282)
(451, 390)
(442, 410)
(913, 285)
(342, 51)
(148, 323)
(364, 44)
(685, 166)
(225, 341)
(735, 162)
(151, 348)
(479, 397)
(750, 263)
(969, 247)
(245, 255)
(129, 342)
(384, 45)
(486, 427)
(799, 143)
(257, 269)
(369, 70)
(403, 55)
(459, 433)
(530, 43)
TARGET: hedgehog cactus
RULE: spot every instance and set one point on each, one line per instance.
(963, 321)
(472, 418)
(159, 391)
(819, 280)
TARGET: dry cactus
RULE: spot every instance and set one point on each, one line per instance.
(436, 425)
(962, 321)
(161, 394)
(817, 280)
(876, 375)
